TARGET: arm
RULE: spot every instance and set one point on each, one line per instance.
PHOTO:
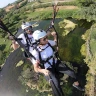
(36, 63)
(15, 45)
(53, 34)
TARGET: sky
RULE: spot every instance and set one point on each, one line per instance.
(4, 3)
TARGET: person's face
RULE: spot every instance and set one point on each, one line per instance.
(44, 40)
(29, 30)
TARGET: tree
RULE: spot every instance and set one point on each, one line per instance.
(14, 18)
(2, 12)
(85, 3)
(87, 10)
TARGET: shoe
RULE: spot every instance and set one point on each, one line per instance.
(78, 87)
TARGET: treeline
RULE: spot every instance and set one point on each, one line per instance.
(87, 12)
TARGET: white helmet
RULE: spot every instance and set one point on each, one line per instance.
(38, 34)
(25, 25)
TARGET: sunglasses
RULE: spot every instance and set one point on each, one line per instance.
(44, 39)
(28, 29)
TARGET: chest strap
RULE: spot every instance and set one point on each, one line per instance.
(42, 62)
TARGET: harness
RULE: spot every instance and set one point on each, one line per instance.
(42, 62)
(29, 43)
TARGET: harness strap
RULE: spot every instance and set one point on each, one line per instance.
(47, 60)
(51, 47)
(26, 37)
(44, 61)
(44, 48)
(27, 46)
(29, 43)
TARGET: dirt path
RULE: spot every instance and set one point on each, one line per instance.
(9, 84)
(60, 8)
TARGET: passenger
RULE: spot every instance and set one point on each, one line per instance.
(26, 38)
(46, 62)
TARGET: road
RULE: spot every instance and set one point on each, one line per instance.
(9, 84)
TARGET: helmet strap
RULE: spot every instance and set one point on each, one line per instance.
(38, 41)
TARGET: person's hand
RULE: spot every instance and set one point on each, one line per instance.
(53, 34)
(46, 72)
(52, 23)
(13, 41)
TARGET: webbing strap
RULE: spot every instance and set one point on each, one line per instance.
(47, 60)
(26, 37)
(27, 46)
